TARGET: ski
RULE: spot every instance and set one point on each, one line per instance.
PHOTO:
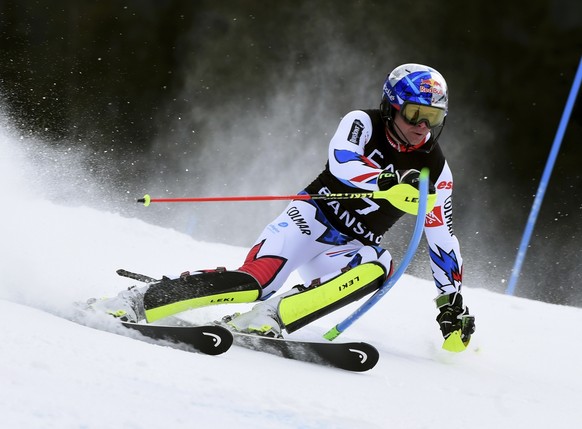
(353, 356)
(207, 339)
(215, 339)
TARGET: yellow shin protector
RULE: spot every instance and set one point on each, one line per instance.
(171, 296)
(296, 311)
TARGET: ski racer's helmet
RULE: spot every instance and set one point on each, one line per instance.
(419, 93)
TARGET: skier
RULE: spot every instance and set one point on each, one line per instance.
(335, 244)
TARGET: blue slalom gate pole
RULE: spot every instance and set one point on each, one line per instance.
(544, 182)
(412, 246)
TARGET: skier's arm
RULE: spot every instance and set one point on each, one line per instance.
(444, 250)
(346, 152)
(447, 264)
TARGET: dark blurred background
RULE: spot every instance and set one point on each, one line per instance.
(195, 98)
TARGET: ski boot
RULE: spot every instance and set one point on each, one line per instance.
(263, 319)
(127, 305)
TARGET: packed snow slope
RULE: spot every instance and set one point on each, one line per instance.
(522, 369)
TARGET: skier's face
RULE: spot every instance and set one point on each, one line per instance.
(413, 134)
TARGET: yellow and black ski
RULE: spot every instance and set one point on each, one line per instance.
(352, 356)
(208, 339)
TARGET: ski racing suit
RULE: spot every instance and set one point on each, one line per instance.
(319, 238)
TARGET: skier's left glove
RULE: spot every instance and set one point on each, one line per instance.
(454, 316)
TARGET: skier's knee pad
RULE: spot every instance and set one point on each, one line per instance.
(171, 296)
(296, 311)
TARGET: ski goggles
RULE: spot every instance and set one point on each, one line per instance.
(414, 114)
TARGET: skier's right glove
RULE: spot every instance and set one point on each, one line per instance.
(454, 316)
(387, 179)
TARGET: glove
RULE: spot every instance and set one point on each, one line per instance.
(387, 179)
(454, 316)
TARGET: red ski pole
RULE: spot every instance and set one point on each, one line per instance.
(403, 196)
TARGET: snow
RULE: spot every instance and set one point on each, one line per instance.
(522, 369)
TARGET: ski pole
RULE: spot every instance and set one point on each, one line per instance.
(412, 246)
(402, 196)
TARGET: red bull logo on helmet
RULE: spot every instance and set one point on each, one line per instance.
(431, 86)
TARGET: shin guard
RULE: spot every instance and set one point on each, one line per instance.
(171, 296)
(296, 311)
